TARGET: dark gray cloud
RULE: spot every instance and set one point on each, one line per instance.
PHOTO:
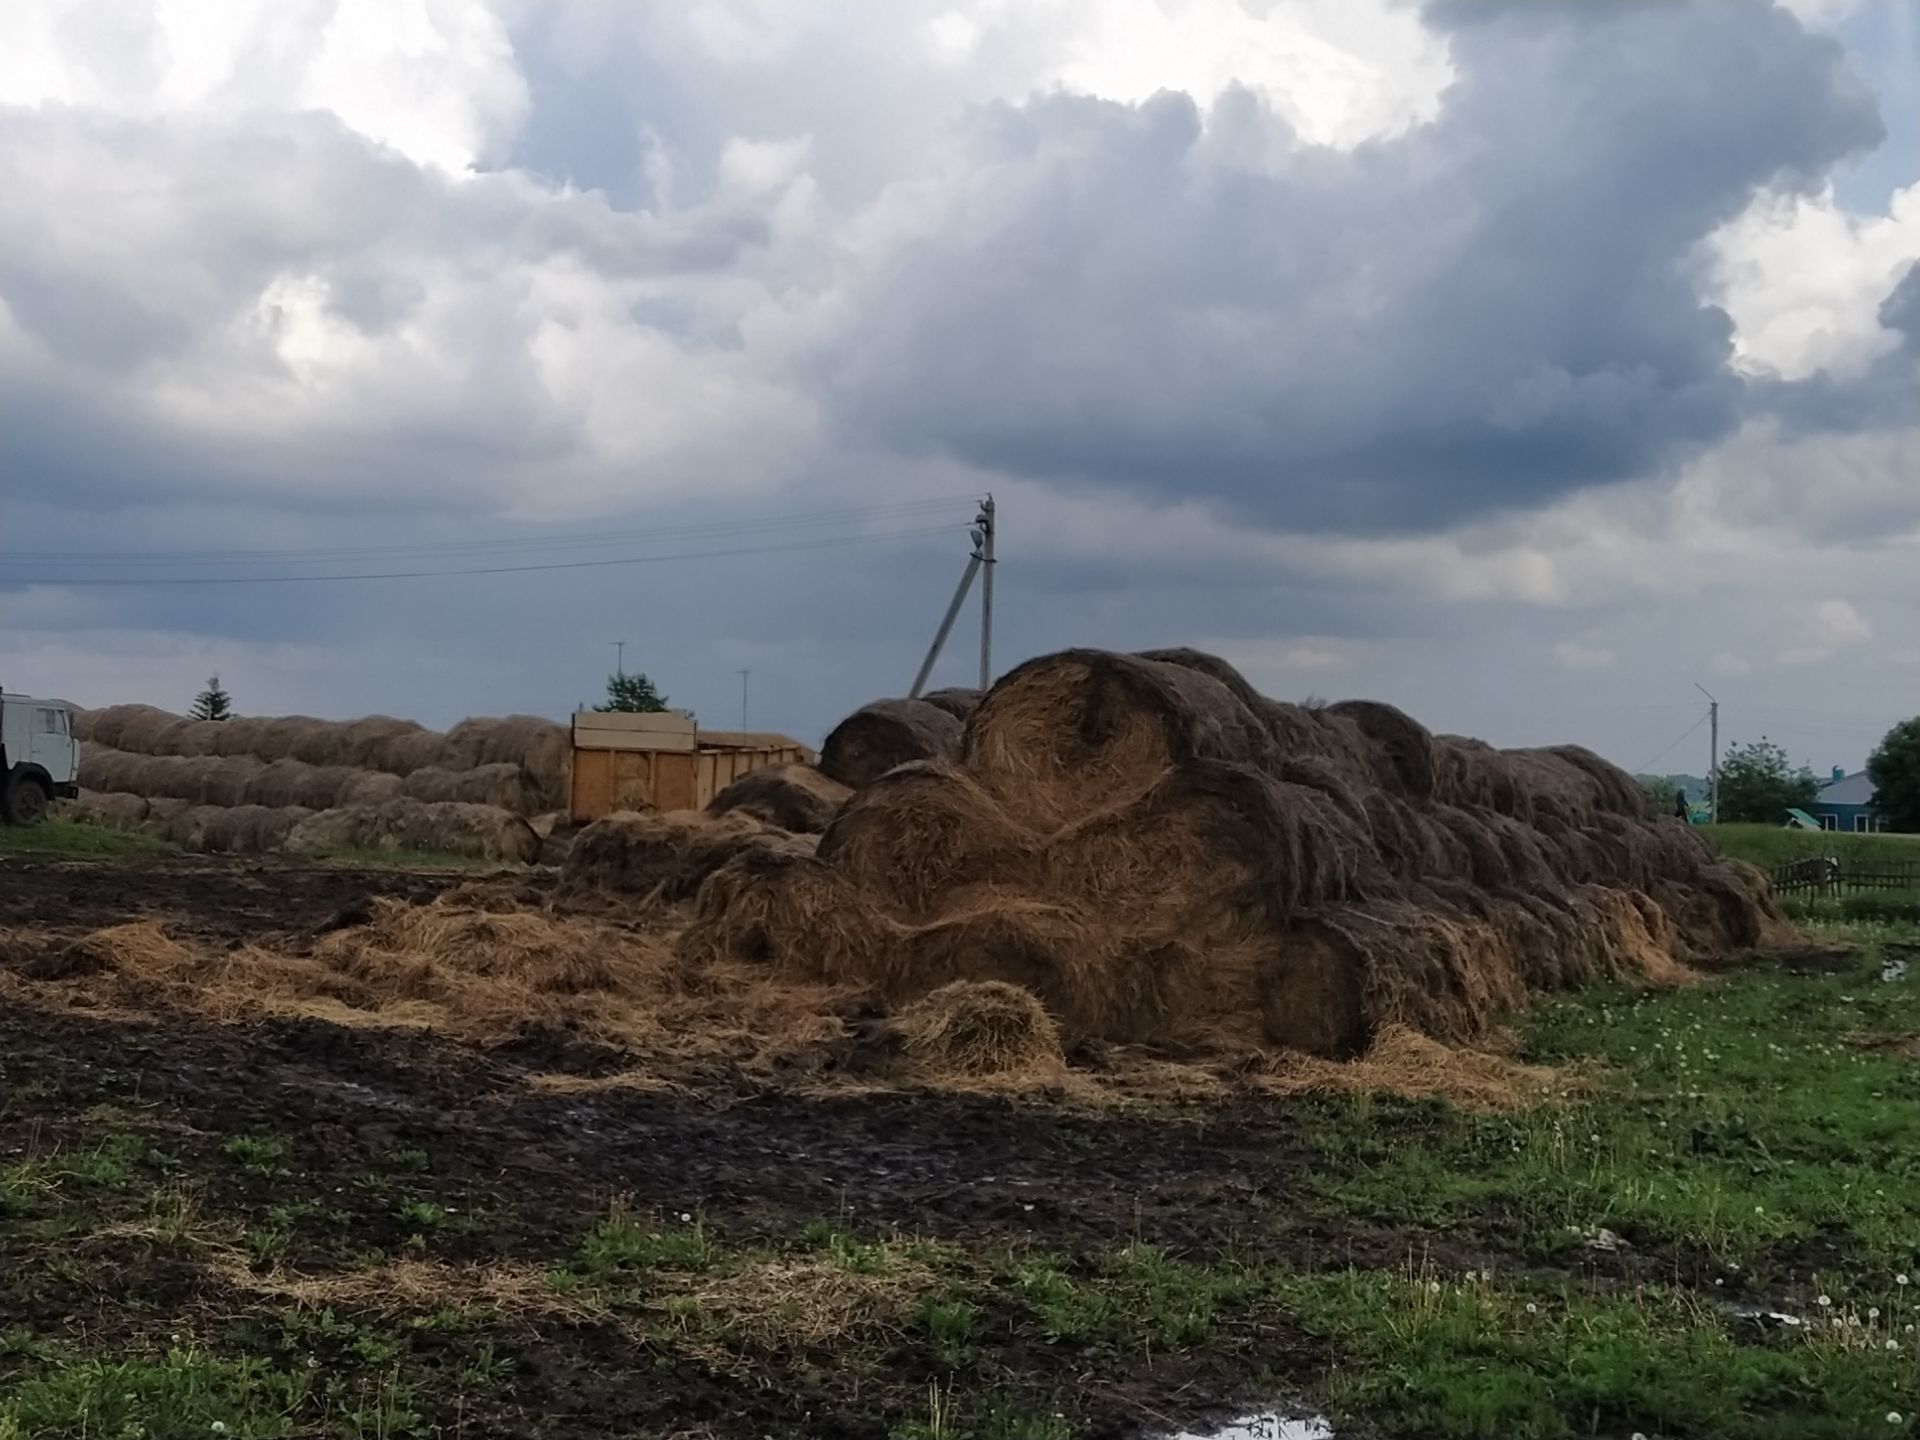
(1489, 311)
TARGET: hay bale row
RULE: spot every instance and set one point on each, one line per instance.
(1159, 853)
(539, 748)
(244, 780)
(481, 831)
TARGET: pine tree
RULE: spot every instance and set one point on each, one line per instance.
(212, 703)
(633, 694)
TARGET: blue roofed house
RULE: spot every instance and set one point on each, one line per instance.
(1846, 802)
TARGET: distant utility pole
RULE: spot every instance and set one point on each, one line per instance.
(1713, 770)
(982, 535)
(620, 657)
(743, 673)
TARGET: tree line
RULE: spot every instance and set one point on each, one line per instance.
(1758, 784)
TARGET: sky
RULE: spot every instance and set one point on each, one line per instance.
(1527, 366)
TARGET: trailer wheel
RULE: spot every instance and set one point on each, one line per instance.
(26, 800)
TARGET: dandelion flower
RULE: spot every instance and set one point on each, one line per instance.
(1899, 1279)
(1893, 1417)
(1532, 1309)
(1825, 1300)
(1873, 1312)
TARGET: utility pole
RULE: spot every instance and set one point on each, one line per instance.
(744, 672)
(982, 536)
(984, 548)
(620, 658)
(1713, 770)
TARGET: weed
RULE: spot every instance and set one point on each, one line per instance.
(259, 1155)
(951, 1324)
(420, 1214)
(622, 1242)
(184, 1392)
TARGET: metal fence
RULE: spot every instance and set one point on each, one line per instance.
(1826, 875)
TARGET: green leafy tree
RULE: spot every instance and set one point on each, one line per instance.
(1757, 784)
(212, 703)
(632, 694)
(1660, 790)
(1895, 771)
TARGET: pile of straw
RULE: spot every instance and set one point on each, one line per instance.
(1161, 855)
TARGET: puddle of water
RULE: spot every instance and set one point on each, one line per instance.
(1265, 1427)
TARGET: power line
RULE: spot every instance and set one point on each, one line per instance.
(1647, 768)
(830, 543)
(700, 530)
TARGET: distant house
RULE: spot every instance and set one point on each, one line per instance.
(1846, 802)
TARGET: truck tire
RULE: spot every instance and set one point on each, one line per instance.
(26, 800)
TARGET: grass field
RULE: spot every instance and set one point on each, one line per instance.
(1710, 1227)
(1771, 845)
(59, 839)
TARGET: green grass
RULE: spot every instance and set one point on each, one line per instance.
(183, 1392)
(1771, 845)
(57, 838)
(1734, 1118)
(1453, 1357)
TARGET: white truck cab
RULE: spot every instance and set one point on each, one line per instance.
(39, 758)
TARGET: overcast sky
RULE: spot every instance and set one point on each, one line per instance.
(1520, 364)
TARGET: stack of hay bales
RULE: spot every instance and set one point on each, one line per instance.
(292, 782)
(1160, 854)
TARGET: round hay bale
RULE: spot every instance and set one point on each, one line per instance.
(127, 727)
(502, 785)
(793, 797)
(1064, 735)
(404, 752)
(921, 831)
(115, 811)
(887, 733)
(957, 701)
(162, 810)
(476, 830)
(540, 747)
(368, 738)
(239, 735)
(294, 737)
(372, 787)
(785, 909)
(663, 858)
(1400, 747)
(110, 771)
(980, 1028)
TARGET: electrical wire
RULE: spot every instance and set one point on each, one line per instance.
(836, 541)
(899, 510)
(1648, 767)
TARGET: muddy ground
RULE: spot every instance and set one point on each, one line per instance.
(538, 1166)
(517, 1152)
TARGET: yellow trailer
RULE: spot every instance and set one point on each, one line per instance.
(664, 761)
